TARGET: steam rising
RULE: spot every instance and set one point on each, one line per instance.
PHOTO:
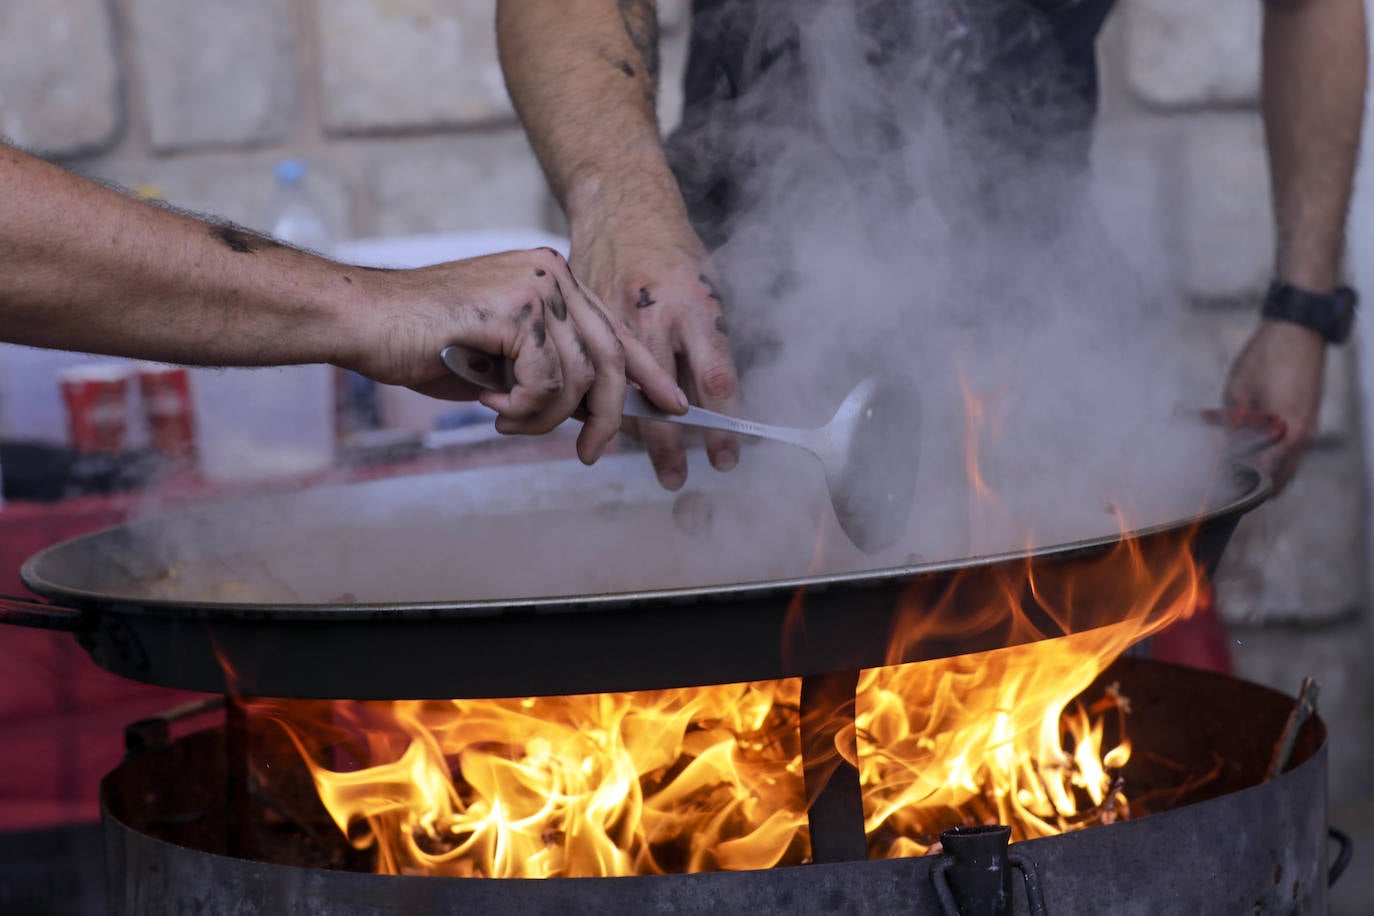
(910, 197)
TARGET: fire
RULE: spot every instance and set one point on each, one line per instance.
(608, 784)
(711, 778)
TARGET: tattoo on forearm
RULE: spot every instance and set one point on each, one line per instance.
(641, 24)
(643, 301)
(241, 241)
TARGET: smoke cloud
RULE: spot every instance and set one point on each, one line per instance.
(906, 193)
(911, 191)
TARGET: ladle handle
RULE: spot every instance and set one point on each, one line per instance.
(495, 374)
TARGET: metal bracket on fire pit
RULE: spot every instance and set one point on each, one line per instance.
(974, 878)
(829, 745)
(155, 732)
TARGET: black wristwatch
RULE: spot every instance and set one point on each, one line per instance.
(1329, 314)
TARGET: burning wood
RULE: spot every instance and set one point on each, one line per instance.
(711, 778)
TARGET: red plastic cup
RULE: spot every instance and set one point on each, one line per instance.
(97, 406)
(167, 409)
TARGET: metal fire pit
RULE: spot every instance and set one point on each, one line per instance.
(1234, 844)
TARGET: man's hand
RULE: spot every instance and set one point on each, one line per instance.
(1280, 371)
(525, 306)
(662, 285)
(583, 75)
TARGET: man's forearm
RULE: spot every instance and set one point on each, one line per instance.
(584, 76)
(1313, 89)
(84, 268)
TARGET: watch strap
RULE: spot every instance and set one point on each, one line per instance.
(1329, 314)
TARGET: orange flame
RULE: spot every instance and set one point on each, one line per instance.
(606, 784)
(711, 778)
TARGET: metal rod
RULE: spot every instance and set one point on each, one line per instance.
(236, 775)
(155, 732)
(1303, 709)
(836, 812)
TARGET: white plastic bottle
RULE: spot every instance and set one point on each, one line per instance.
(261, 423)
(295, 216)
(298, 219)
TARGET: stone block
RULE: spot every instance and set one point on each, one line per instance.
(1185, 53)
(236, 188)
(1227, 229)
(1303, 556)
(409, 64)
(1339, 657)
(217, 74)
(59, 77)
(457, 184)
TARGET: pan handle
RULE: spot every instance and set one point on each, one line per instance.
(19, 612)
(1249, 432)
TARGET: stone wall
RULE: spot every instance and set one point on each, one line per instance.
(392, 103)
(1181, 87)
(396, 103)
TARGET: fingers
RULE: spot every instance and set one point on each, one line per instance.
(601, 359)
(1280, 371)
(663, 441)
(618, 356)
(1289, 452)
(538, 370)
(640, 365)
(644, 370)
(711, 368)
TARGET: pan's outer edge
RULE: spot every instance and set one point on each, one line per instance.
(1259, 489)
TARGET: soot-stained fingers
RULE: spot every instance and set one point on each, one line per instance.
(557, 305)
